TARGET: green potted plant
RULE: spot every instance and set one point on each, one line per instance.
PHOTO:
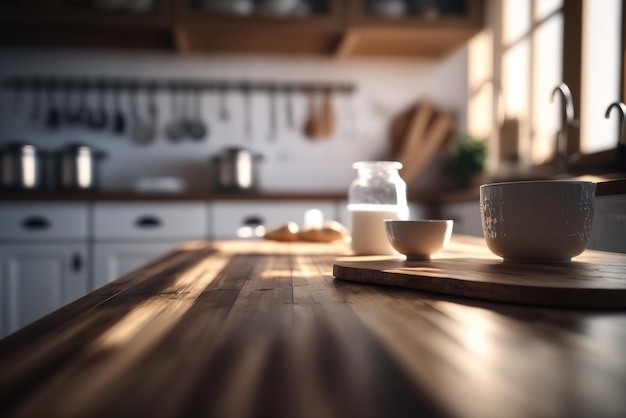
(466, 160)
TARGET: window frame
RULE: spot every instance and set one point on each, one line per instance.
(572, 54)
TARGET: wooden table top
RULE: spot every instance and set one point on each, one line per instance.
(262, 329)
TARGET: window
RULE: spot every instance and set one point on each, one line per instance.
(537, 44)
(600, 84)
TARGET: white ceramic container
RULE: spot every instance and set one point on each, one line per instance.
(418, 239)
(546, 221)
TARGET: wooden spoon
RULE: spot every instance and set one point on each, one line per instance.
(328, 116)
(312, 123)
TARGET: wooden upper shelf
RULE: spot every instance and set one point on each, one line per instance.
(340, 28)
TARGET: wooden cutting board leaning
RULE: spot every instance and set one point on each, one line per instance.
(416, 136)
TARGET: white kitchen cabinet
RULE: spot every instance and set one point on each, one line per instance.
(114, 260)
(239, 219)
(608, 232)
(129, 235)
(36, 279)
(44, 259)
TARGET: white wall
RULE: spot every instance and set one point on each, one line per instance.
(292, 162)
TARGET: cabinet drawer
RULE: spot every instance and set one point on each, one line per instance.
(229, 217)
(150, 220)
(43, 221)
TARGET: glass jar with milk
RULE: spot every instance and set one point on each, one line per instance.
(378, 193)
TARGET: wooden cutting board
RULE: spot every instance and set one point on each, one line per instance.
(410, 125)
(421, 119)
(466, 268)
(418, 157)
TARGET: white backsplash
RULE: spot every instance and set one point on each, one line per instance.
(292, 162)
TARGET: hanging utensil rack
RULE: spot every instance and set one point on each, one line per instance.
(218, 85)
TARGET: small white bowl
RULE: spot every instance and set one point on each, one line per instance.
(418, 239)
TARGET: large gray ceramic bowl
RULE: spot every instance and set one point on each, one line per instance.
(546, 221)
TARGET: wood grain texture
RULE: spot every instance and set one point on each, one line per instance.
(262, 329)
(592, 280)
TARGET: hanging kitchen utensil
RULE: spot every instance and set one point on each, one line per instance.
(119, 119)
(174, 129)
(153, 108)
(185, 108)
(312, 123)
(53, 117)
(247, 116)
(350, 122)
(36, 99)
(223, 105)
(153, 112)
(289, 107)
(197, 129)
(98, 116)
(83, 114)
(273, 116)
(69, 107)
(329, 120)
(17, 98)
(142, 132)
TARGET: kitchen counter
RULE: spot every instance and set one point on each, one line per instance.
(605, 187)
(257, 328)
(132, 196)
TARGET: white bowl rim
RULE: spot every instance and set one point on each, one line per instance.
(418, 220)
(538, 182)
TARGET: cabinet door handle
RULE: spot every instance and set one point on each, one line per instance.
(253, 220)
(35, 223)
(77, 262)
(148, 221)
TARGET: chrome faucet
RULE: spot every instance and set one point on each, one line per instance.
(620, 159)
(568, 120)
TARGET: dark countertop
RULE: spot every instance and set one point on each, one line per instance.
(133, 196)
(605, 187)
(243, 329)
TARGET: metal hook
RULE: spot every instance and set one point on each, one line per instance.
(621, 107)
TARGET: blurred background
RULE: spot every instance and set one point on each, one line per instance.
(254, 73)
(130, 126)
